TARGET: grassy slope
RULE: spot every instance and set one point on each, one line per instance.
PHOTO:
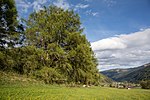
(16, 87)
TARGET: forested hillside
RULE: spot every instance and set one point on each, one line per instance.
(137, 74)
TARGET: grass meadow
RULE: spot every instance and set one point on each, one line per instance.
(17, 87)
(59, 92)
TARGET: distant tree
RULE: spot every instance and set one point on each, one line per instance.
(59, 34)
(145, 84)
(9, 27)
(10, 31)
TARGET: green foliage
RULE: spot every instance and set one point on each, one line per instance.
(55, 49)
(6, 60)
(58, 33)
(9, 27)
(145, 84)
(28, 59)
(23, 60)
(49, 75)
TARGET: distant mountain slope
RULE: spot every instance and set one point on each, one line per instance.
(131, 74)
(105, 79)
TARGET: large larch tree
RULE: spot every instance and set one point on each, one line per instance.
(58, 33)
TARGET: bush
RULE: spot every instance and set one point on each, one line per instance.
(145, 84)
(48, 75)
(6, 61)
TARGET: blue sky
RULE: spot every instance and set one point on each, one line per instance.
(101, 18)
(107, 22)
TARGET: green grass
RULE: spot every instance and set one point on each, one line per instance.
(56, 92)
(17, 87)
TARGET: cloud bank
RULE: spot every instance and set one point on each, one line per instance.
(123, 51)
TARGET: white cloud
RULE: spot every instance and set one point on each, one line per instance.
(87, 0)
(110, 3)
(95, 13)
(62, 4)
(109, 43)
(82, 6)
(128, 50)
(23, 4)
(37, 5)
(90, 12)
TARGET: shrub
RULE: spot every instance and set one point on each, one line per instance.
(48, 75)
(145, 84)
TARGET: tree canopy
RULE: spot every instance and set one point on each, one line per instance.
(8, 21)
(59, 34)
(55, 49)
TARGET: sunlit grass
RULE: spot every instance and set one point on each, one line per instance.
(56, 92)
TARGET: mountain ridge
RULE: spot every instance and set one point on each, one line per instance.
(134, 75)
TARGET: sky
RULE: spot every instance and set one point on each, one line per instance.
(119, 30)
